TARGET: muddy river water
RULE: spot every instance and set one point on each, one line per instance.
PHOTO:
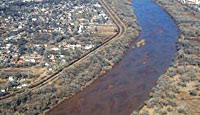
(126, 87)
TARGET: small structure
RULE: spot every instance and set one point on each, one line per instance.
(55, 49)
(11, 78)
(87, 47)
(190, 1)
(19, 87)
(3, 90)
(24, 85)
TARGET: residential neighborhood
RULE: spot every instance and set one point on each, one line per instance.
(46, 34)
(195, 4)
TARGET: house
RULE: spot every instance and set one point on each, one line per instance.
(46, 64)
(2, 27)
(8, 46)
(80, 30)
(3, 90)
(73, 46)
(11, 78)
(30, 60)
(34, 19)
(97, 5)
(50, 69)
(63, 60)
(52, 57)
(87, 47)
(55, 49)
(21, 62)
(24, 85)
(19, 87)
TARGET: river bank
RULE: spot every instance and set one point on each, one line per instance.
(178, 90)
(74, 79)
(128, 84)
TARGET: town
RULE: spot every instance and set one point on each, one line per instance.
(37, 37)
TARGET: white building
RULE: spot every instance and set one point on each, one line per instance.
(80, 30)
(19, 87)
(97, 5)
(11, 78)
(87, 47)
(24, 85)
(55, 49)
(73, 46)
(3, 90)
(190, 1)
(30, 60)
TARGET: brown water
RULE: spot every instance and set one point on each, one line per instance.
(127, 85)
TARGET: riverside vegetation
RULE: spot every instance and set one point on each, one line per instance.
(78, 76)
(178, 90)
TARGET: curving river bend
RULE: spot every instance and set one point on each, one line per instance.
(128, 84)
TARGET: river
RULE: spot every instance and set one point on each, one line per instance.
(126, 87)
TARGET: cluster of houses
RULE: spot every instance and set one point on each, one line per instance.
(195, 4)
(11, 80)
(52, 19)
(31, 30)
(190, 2)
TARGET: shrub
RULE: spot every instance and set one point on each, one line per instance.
(172, 73)
(192, 93)
(181, 110)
